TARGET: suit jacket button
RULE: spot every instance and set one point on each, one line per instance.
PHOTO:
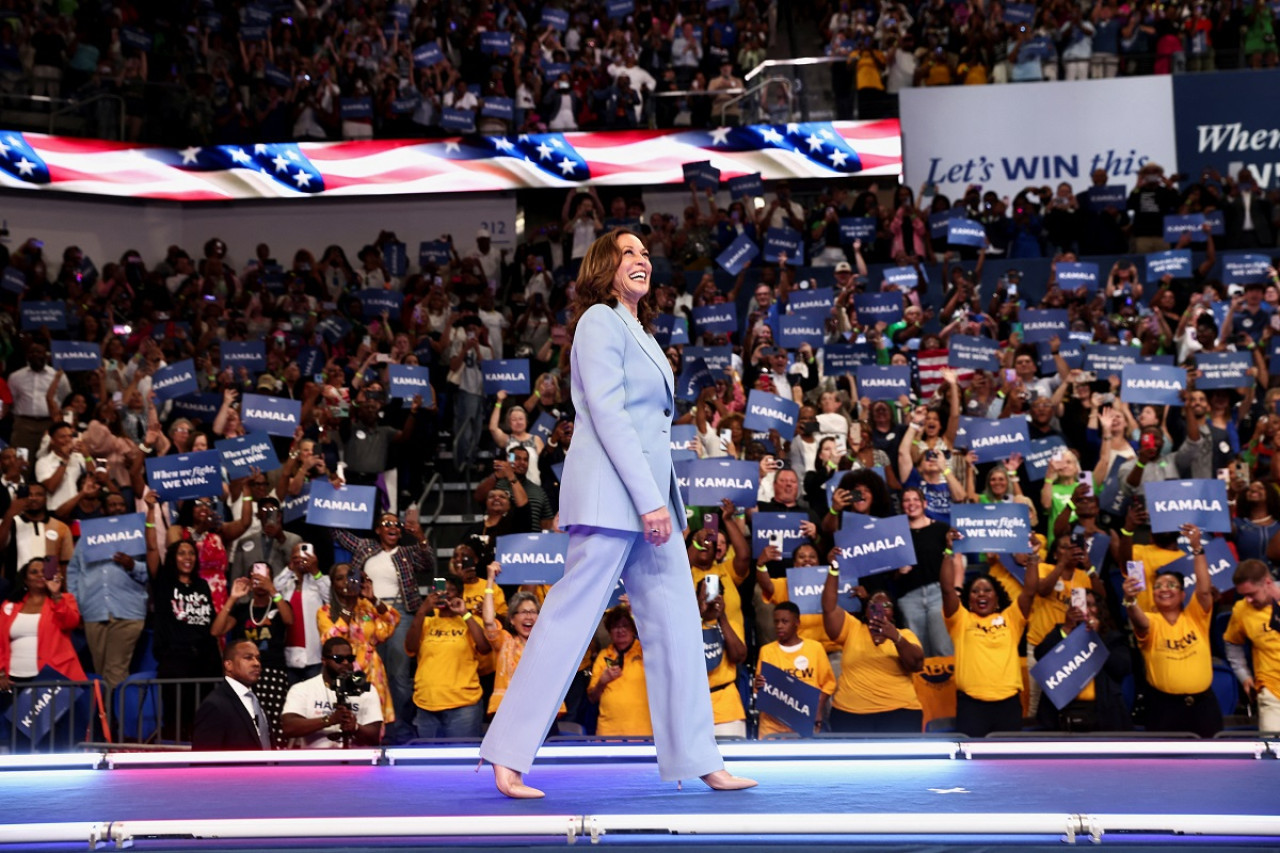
(666, 412)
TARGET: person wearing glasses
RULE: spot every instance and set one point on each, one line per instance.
(1174, 639)
(393, 559)
(357, 614)
(507, 644)
(314, 718)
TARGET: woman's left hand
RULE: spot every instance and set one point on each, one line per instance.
(456, 606)
(54, 585)
(656, 526)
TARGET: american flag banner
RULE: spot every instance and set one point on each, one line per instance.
(469, 163)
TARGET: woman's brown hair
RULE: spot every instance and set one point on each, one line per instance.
(595, 280)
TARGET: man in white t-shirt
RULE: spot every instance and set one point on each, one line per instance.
(60, 469)
(313, 718)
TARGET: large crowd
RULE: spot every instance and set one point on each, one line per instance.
(438, 638)
(229, 72)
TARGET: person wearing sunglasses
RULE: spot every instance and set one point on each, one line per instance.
(313, 718)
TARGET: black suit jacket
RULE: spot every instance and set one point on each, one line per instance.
(1259, 213)
(222, 722)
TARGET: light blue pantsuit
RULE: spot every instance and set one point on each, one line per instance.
(618, 467)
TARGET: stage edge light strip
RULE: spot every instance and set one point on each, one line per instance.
(316, 756)
(788, 749)
(458, 826)
(1107, 749)
(918, 824)
(1184, 824)
(54, 761)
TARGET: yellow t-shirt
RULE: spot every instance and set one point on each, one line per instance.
(1152, 559)
(870, 64)
(726, 701)
(732, 599)
(447, 675)
(1178, 658)
(988, 666)
(808, 664)
(1047, 611)
(872, 679)
(624, 703)
(1254, 625)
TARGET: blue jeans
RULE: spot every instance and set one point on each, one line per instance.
(451, 722)
(468, 412)
(922, 611)
(400, 671)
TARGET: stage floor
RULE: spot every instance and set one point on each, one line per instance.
(882, 794)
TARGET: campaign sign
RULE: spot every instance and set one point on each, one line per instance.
(858, 228)
(1072, 664)
(1072, 352)
(872, 308)
(35, 710)
(1019, 13)
(784, 240)
(938, 222)
(175, 380)
(669, 330)
(1108, 360)
(15, 280)
(1217, 553)
(713, 480)
(1112, 500)
(903, 278)
(376, 302)
(682, 440)
(272, 415)
(1245, 268)
(201, 407)
(1173, 503)
(694, 377)
(999, 528)
(102, 538)
(803, 327)
(717, 358)
(251, 355)
(395, 256)
(556, 19)
(544, 425)
(741, 252)
(186, 475)
(1217, 222)
(966, 232)
(1159, 384)
(719, 319)
(494, 107)
(434, 252)
(242, 454)
(408, 380)
(807, 300)
(1100, 198)
(846, 358)
(1223, 370)
(994, 438)
(1043, 324)
(70, 356)
(532, 557)
(348, 507)
(619, 8)
(1042, 450)
(495, 42)
(881, 544)
(746, 186)
(310, 361)
(788, 699)
(356, 108)
(702, 175)
(51, 315)
(971, 352)
(776, 528)
(333, 328)
(1175, 262)
(804, 589)
(294, 507)
(884, 382)
(505, 374)
(1073, 276)
(1098, 550)
(767, 411)
(463, 121)
(1175, 225)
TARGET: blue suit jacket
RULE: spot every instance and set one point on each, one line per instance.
(619, 463)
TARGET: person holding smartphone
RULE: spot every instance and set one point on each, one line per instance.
(448, 643)
(256, 612)
(618, 682)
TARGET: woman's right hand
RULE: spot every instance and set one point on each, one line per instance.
(1132, 587)
(495, 569)
(656, 526)
(240, 588)
(840, 499)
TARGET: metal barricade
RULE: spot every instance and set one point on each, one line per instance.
(46, 716)
(146, 709)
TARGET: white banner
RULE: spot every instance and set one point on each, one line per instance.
(1006, 138)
